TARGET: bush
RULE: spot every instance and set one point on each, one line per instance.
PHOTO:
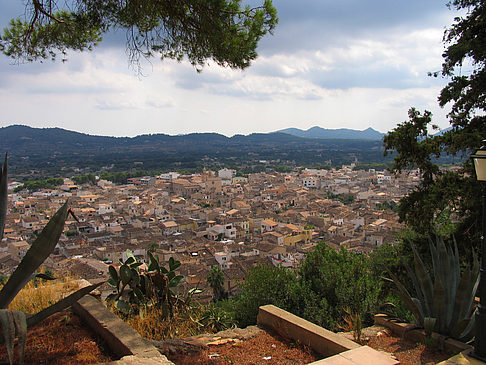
(326, 284)
(263, 285)
(332, 281)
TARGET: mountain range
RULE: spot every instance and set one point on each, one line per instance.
(342, 133)
(47, 150)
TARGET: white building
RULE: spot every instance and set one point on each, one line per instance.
(309, 182)
(226, 173)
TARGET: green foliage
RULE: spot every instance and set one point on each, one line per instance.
(215, 318)
(442, 190)
(122, 177)
(264, 285)
(84, 179)
(152, 288)
(343, 198)
(162, 153)
(223, 31)
(325, 285)
(447, 296)
(35, 185)
(335, 280)
(388, 205)
(215, 279)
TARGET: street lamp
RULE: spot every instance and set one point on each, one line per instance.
(479, 159)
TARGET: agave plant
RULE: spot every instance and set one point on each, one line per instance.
(151, 288)
(448, 297)
(15, 323)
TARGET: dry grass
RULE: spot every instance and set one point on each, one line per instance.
(187, 321)
(39, 294)
(352, 322)
(151, 324)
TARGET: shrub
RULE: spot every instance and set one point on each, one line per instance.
(264, 285)
(325, 285)
(334, 280)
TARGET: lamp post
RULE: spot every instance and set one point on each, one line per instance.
(479, 159)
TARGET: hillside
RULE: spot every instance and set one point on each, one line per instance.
(52, 149)
(342, 133)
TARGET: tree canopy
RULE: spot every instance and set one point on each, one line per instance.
(454, 192)
(221, 30)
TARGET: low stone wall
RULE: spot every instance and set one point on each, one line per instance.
(410, 332)
(334, 348)
(324, 342)
(122, 339)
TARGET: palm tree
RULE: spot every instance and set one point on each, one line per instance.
(215, 279)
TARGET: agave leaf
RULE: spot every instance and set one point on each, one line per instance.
(21, 328)
(62, 304)
(460, 327)
(425, 283)
(444, 269)
(3, 196)
(453, 283)
(8, 328)
(420, 307)
(440, 304)
(433, 254)
(472, 287)
(44, 276)
(444, 273)
(461, 300)
(41, 248)
(470, 330)
(408, 300)
(413, 278)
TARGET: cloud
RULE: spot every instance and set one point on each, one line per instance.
(347, 63)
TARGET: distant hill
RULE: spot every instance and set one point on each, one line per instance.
(58, 151)
(342, 133)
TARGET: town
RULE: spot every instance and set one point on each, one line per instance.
(212, 218)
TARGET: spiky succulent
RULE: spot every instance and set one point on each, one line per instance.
(15, 324)
(446, 295)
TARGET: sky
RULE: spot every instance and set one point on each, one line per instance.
(334, 64)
